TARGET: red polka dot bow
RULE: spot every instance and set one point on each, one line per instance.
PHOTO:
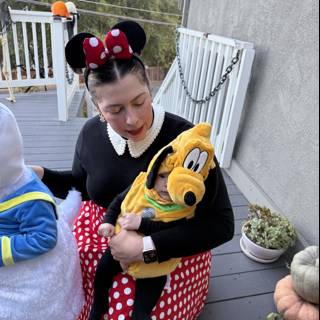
(116, 45)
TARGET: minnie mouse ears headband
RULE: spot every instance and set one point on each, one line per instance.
(121, 42)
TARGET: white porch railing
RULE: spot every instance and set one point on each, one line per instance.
(204, 59)
(28, 59)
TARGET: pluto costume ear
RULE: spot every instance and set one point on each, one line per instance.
(151, 179)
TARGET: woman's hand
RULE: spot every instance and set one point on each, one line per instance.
(130, 221)
(127, 247)
(38, 170)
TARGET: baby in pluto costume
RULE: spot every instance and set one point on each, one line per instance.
(186, 163)
(40, 275)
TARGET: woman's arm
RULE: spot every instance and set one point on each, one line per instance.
(148, 226)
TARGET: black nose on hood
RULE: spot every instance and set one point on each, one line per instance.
(190, 198)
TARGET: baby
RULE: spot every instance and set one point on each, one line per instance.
(40, 275)
(132, 221)
(161, 198)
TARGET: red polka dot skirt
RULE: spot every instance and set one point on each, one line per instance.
(185, 293)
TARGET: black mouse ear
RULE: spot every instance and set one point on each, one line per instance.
(135, 34)
(74, 50)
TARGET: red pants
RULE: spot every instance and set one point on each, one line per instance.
(183, 300)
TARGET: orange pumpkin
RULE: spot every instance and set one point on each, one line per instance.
(60, 9)
(291, 305)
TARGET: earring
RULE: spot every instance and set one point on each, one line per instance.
(102, 119)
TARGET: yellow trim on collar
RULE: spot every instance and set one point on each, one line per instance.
(7, 258)
(36, 195)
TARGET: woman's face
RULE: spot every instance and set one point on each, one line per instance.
(126, 106)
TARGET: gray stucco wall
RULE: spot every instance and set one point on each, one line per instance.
(278, 143)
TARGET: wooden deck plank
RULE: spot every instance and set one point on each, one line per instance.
(60, 138)
(228, 181)
(232, 246)
(238, 200)
(50, 122)
(47, 141)
(235, 263)
(47, 144)
(233, 190)
(32, 150)
(240, 288)
(238, 226)
(52, 164)
(248, 308)
(246, 284)
(240, 212)
(50, 157)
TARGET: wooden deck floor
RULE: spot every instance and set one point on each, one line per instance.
(240, 288)
(47, 141)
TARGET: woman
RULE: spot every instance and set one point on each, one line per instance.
(111, 150)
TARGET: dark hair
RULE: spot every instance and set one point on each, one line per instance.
(113, 70)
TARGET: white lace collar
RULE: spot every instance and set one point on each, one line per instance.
(136, 149)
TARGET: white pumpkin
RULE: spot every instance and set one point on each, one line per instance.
(71, 7)
(305, 274)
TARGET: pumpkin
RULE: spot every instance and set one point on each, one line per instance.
(305, 274)
(292, 306)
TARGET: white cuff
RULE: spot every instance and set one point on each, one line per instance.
(148, 244)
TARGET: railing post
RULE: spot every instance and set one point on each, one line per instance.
(74, 85)
(6, 66)
(59, 65)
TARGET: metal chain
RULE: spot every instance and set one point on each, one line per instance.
(223, 79)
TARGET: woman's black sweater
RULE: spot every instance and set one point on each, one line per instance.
(101, 174)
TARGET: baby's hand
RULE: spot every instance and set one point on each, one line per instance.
(130, 221)
(106, 230)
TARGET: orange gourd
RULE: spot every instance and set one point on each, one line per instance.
(60, 9)
(291, 305)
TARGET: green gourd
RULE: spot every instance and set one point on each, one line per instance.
(305, 274)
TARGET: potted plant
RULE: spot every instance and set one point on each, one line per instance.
(266, 235)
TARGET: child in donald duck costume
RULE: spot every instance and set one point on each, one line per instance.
(162, 197)
(40, 275)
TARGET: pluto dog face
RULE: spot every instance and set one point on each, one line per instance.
(188, 158)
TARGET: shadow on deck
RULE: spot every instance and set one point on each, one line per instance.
(240, 288)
